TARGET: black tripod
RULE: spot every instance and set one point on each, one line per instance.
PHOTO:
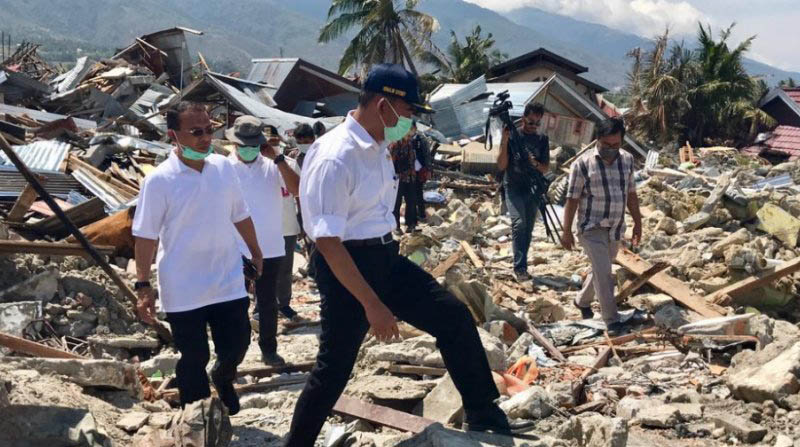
(518, 155)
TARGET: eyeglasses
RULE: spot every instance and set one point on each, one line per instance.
(533, 123)
(198, 132)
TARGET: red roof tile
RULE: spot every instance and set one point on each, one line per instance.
(793, 93)
(785, 139)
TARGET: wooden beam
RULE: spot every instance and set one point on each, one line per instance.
(270, 370)
(616, 341)
(600, 361)
(380, 415)
(756, 281)
(545, 343)
(23, 204)
(272, 384)
(472, 255)
(418, 370)
(634, 285)
(445, 265)
(23, 346)
(50, 248)
(667, 284)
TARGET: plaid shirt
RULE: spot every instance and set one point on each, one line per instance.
(602, 191)
(403, 156)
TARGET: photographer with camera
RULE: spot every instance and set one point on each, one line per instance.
(518, 182)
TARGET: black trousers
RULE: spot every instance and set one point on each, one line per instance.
(419, 199)
(266, 300)
(406, 190)
(284, 282)
(230, 330)
(413, 296)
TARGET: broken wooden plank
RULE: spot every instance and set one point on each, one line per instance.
(380, 415)
(595, 405)
(476, 260)
(23, 346)
(42, 208)
(545, 343)
(445, 265)
(267, 371)
(417, 370)
(616, 341)
(754, 282)
(667, 284)
(23, 203)
(634, 285)
(50, 248)
(87, 212)
(600, 361)
(272, 384)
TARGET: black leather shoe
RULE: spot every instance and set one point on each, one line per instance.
(586, 312)
(272, 359)
(494, 420)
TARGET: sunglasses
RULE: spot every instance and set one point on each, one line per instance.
(533, 123)
(198, 132)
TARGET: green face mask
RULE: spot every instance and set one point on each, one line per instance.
(249, 153)
(191, 154)
(400, 130)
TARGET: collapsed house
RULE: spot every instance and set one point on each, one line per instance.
(711, 293)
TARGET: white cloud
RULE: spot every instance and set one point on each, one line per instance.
(643, 17)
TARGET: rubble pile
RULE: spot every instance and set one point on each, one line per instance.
(714, 359)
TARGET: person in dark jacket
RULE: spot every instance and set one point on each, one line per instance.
(422, 167)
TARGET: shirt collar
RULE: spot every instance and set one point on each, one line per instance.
(359, 134)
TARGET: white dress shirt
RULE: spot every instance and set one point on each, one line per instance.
(190, 213)
(348, 185)
(261, 184)
(291, 227)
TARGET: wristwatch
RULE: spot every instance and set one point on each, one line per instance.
(139, 285)
(280, 159)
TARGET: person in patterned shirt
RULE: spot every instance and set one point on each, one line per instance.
(600, 187)
(404, 156)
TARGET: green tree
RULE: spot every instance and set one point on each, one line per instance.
(387, 31)
(467, 61)
(703, 96)
(788, 83)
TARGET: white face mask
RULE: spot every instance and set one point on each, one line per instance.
(303, 148)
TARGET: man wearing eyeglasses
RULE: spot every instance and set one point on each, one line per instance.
(517, 182)
(262, 172)
(185, 209)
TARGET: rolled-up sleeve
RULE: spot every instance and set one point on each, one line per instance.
(150, 210)
(325, 199)
(576, 181)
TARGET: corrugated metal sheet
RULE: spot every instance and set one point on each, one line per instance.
(271, 71)
(456, 113)
(779, 181)
(652, 160)
(71, 79)
(113, 200)
(280, 119)
(46, 117)
(40, 156)
(58, 185)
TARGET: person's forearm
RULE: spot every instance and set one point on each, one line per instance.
(569, 213)
(144, 251)
(290, 178)
(247, 230)
(502, 159)
(633, 207)
(345, 270)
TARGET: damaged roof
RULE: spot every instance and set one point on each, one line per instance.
(543, 56)
(783, 104)
(300, 86)
(784, 140)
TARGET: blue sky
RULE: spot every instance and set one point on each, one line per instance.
(775, 22)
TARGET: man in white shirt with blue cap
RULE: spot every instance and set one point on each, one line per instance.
(347, 193)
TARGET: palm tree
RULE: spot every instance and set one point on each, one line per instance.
(389, 31)
(463, 63)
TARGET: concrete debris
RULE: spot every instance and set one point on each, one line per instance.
(726, 227)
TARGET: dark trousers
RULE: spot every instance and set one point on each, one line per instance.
(406, 190)
(413, 296)
(230, 330)
(522, 208)
(419, 199)
(284, 287)
(267, 302)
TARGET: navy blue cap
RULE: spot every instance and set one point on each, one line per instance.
(395, 80)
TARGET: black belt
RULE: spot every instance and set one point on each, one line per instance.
(383, 240)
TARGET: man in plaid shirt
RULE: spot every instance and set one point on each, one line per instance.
(600, 186)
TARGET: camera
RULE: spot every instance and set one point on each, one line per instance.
(501, 106)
